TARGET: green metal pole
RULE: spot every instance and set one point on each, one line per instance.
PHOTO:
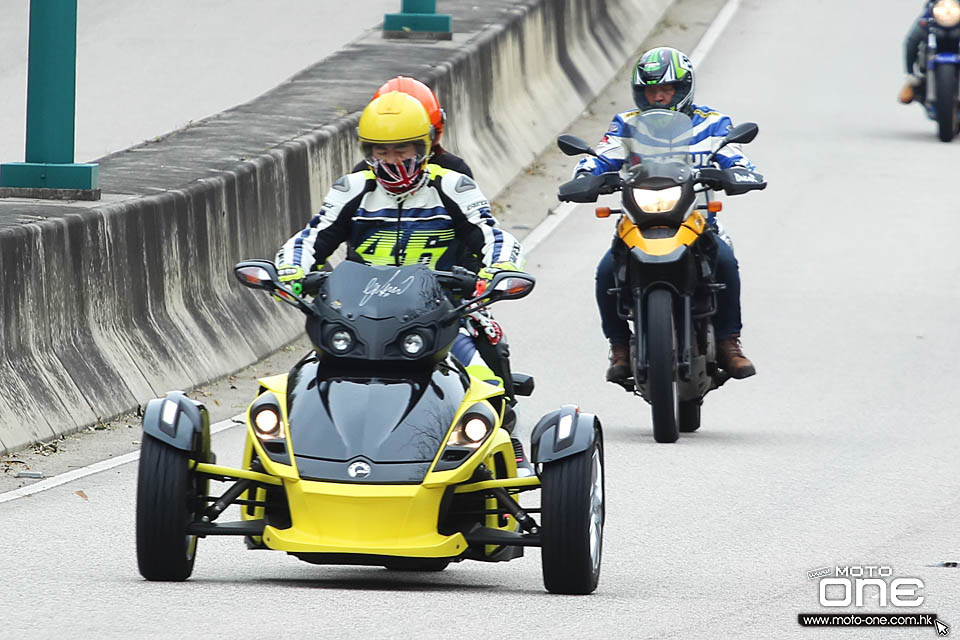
(49, 170)
(418, 19)
(52, 81)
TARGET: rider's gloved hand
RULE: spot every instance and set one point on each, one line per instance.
(291, 275)
(485, 275)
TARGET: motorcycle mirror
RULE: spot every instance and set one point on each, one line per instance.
(743, 133)
(510, 285)
(573, 146)
(505, 285)
(256, 274)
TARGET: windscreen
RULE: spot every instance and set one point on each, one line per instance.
(658, 135)
(376, 292)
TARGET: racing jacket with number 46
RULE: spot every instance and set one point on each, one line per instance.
(446, 222)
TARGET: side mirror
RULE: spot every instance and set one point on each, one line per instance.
(740, 134)
(509, 285)
(257, 274)
(506, 285)
(574, 146)
(743, 133)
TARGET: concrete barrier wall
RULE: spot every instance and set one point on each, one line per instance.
(102, 308)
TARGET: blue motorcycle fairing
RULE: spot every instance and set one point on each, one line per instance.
(943, 58)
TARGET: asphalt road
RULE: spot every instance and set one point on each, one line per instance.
(843, 450)
(147, 68)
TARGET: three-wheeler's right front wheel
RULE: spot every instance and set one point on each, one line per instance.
(167, 499)
(572, 516)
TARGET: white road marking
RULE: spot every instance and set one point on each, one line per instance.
(104, 465)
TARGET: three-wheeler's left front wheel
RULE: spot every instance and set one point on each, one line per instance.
(167, 499)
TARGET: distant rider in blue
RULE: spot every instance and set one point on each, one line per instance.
(916, 74)
(663, 78)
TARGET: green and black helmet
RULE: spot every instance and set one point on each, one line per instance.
(664, 65)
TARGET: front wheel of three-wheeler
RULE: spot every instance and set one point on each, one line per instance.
(572, 512)
(167, 498)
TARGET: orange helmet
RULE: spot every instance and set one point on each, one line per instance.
(422, 93)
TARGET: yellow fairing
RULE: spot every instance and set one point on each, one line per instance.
(687, 234)
(391, 520)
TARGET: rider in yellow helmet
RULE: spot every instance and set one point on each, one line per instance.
(402, 210)
(395, 136)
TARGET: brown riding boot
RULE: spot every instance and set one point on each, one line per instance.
(906, 93)
(619, 362)
(730, 358)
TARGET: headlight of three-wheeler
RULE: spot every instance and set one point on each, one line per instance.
(266, 418)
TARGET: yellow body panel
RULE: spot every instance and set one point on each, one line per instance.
(396, 520)
(392, 520)
(687, 234)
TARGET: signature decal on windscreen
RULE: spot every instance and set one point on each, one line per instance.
(388, 288)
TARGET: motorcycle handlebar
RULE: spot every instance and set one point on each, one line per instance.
(311, 282)
(457, 279)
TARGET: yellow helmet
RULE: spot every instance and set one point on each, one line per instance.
(395, 136)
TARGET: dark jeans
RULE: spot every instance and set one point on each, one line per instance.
(726, 322)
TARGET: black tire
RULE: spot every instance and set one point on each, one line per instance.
(662, 369)
(946, 101)
(166, 499)
(688, 419)
(572, 517)
(417, 564)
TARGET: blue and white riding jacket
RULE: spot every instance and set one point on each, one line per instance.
(446, 222)
(709, 128)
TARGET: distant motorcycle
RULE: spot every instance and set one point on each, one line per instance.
(940, 55)
(664, 260)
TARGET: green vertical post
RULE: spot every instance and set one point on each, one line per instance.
(51, 105)
(418, 19)
(52, 81)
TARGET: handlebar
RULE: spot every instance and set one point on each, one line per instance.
(458, 279)
(312, 281)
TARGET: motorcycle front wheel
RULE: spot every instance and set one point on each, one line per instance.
(946, 101)
(661, 337)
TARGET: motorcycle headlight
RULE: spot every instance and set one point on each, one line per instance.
(341, 341)
(658, 200)
(413, 344)
(946, 13)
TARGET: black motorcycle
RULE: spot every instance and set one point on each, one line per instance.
(940, 56)
(665, 260)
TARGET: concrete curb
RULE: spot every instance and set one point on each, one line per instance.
(103, 307)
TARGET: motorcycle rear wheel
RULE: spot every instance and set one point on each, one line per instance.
(661, 338)
(946, 101)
